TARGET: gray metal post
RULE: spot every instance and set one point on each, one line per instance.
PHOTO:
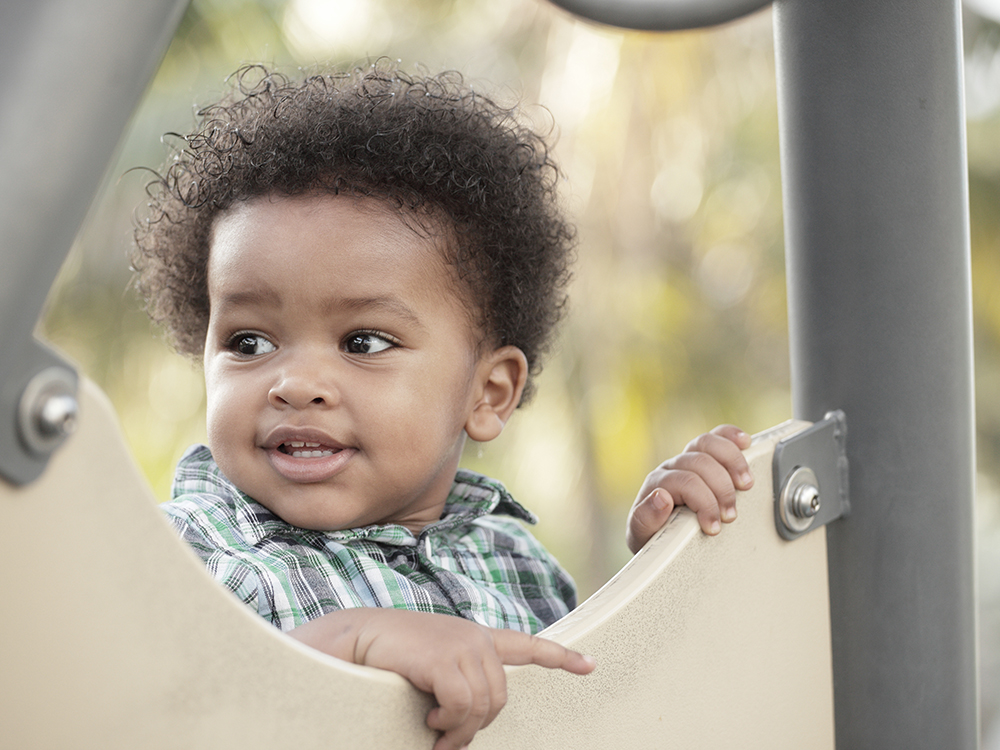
(662, 15)
(876, 220)
(74, 71)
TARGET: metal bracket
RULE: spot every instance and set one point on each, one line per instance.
(810, 477)
(38, 409)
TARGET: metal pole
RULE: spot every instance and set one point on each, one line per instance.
(662, 15)
(876, 221)
(74, 71)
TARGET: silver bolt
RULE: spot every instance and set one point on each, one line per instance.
(57, 414)
(805, 500)
(799, 501)
(47, 414)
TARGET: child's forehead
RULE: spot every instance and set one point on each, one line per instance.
(427, 226)
(261, 230)
(267, 206)
(267, 227)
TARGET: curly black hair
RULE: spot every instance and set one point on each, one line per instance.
(424, 145)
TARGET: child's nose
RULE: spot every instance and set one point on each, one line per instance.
(304, 388)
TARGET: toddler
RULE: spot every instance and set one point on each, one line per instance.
(370, 266)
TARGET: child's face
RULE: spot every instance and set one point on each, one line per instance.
(340, 364)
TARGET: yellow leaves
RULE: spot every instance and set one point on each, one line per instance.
(620, 433)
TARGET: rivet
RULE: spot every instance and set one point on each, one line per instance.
(47, 413)
(799, 500)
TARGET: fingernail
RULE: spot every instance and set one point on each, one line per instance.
(746, 479)
(728, 514)
(591, 661)
(656, 499)
(715, 528)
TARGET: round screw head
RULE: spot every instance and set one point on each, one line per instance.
(799, 500)
(806, 501)
(56, 416)
(47, 412)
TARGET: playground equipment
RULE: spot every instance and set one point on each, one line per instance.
(113, 636)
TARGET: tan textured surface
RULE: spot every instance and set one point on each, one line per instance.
(701, 643)
(114, 637)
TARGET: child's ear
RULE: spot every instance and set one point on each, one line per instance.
(501, 376)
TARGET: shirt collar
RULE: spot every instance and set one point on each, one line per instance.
(472, 496)
(198, 474)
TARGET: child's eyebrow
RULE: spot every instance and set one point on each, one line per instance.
(264, 297)
(271, 298)
(390, 305)
(250, 298)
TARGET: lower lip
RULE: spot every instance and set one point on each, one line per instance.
(305, 470)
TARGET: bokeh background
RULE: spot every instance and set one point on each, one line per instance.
(669, 145)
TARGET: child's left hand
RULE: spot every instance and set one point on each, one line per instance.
(704, 477)
(456, 660)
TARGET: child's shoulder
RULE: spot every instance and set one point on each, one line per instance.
(494, 521)
(197, 473)
(474, 494)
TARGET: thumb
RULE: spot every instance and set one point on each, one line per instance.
(647, 517)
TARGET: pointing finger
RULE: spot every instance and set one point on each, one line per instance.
(514, 647)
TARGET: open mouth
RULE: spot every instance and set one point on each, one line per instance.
(298, 449)
(300, 460)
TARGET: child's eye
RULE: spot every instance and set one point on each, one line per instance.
(364, 342)
(250, 344)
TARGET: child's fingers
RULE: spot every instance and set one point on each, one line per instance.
(454, 696)
(717, 458)
(464, 703)
(726, 444)
(647, 516)
(452, 739)
(689, 488)
(704, 485)
(496, 678)
(470, 697)
(734, 434)
(514, 647)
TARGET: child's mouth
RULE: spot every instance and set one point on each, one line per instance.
(299, 449)
(303, 461)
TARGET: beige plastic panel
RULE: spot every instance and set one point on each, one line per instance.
(113, 636)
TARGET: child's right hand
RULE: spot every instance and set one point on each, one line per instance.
(456, 660)
(704, 477)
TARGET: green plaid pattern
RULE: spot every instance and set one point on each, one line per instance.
(475, 562)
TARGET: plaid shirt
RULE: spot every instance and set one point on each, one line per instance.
(473, 562)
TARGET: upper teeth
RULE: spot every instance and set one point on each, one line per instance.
(310, 451)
